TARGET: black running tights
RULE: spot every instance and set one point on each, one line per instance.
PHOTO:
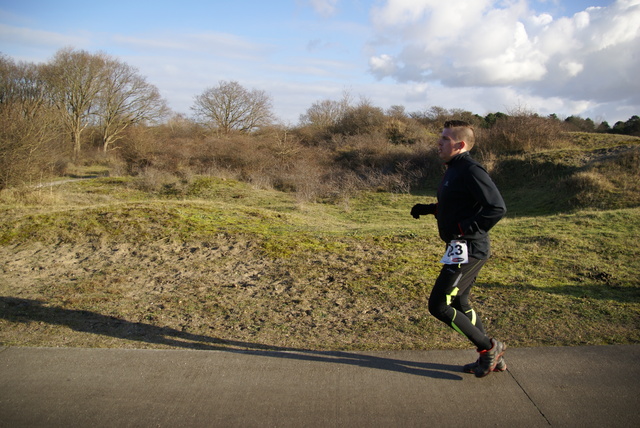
(449, 301)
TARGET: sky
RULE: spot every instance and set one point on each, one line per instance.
(568, 57)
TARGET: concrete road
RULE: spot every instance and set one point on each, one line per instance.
(558, 386)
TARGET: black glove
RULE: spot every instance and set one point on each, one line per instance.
(423, 209)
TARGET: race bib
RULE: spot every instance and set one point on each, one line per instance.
(456, 253)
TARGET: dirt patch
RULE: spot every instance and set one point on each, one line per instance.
(223, 292)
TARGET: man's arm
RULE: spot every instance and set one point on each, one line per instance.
(488, 197)
(423, 209)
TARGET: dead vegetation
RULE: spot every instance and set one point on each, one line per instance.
(301, 238)
(218, 264)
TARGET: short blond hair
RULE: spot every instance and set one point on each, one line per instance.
(463, 131)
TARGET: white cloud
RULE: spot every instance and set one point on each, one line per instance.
(441, 16)
(542, 20)
(143, 43)
(584, 60)
(581, 20)
(382, 65)
(325, 8)
(483, 46)
(478, 55)
(220, 44)
(571, 67)
(19, 36)
(616, 25)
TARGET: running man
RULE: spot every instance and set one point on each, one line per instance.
(469, 205)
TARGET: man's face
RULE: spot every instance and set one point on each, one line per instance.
(448, 146)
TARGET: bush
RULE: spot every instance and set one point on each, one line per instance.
(520, 132)
(30, 147)
(407, 131)
(360, 120)
(136, 150)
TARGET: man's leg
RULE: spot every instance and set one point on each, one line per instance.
(462, 304)
(455, 281)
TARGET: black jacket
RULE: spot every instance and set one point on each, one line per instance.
(469, 205)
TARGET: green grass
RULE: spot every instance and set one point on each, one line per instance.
(105, 263)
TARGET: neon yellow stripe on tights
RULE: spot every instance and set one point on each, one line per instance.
(473, 316)
(451, 295)
(453, 324)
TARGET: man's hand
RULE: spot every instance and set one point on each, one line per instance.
(423, 209)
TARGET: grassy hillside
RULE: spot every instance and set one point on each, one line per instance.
(215, 263)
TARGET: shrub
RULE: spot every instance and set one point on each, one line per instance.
(408, 131)
(519, 132)
(363, 119)
(136, 149)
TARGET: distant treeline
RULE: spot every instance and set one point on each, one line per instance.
(82, 108)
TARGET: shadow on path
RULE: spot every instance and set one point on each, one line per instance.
(26, 310)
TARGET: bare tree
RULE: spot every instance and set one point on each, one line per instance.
(27, 123)
(326, 113)
(230, 107)
(125, 99)
(323, 114)
(75, 79)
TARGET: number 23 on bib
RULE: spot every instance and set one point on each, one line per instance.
(456, 253)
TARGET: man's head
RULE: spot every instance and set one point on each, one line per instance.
(457, 137)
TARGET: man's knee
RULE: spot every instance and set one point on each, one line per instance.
(439, 309)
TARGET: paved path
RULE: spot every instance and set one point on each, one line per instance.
(559, 386)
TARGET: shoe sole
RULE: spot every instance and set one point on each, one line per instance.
(497, 370)
(472, 370)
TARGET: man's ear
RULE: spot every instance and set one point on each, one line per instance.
(462, 145)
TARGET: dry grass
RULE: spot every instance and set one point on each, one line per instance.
(228, 265)
(179, 259)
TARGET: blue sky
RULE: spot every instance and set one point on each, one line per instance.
(566, 57)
